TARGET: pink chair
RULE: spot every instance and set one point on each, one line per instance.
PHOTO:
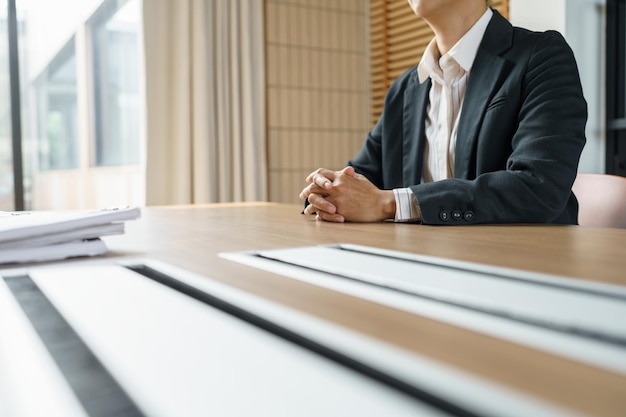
(601, 199)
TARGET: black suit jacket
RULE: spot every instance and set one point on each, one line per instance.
(521, 131)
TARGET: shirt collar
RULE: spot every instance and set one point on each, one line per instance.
(463, 52)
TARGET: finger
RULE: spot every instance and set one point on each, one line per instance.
(310, 209)
(322, 177)
(321, 204)
(336, 218)
(304, 194)
(349, 171)
(310, 189)
(323, 181)
(322, 171)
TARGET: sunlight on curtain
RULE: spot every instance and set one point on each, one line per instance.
(205, 119)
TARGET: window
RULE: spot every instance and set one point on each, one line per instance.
(115, 38)
(57, 118)
(80, 74)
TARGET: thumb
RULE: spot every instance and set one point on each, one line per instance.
(349, 171)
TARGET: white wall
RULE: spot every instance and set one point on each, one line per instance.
(582, 24)
(584, 30)
(538, 14)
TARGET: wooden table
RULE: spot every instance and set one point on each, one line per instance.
(190, 237)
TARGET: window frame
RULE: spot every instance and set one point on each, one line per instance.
(16, 117)
(616, 87)
(86, 173)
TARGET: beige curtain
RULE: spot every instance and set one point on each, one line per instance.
(205, 109)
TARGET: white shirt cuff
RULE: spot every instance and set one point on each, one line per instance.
(407, 207)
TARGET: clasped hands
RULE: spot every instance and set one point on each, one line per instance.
(339, 196)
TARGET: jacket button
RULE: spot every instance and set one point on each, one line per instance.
(469, 216)
(443, 215)
(457, 215)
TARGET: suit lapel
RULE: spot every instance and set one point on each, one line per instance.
(483, 80)
(414, 117)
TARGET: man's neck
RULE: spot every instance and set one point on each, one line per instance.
(450, 27)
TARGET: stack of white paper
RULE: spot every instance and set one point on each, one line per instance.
(33, 236)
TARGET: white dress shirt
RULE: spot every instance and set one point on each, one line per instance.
(449, 74)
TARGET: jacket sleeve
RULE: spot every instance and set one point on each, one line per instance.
(535, 185)
(380, 157)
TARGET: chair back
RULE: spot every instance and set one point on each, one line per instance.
(601, 199)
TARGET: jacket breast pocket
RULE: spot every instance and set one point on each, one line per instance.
(497, 102)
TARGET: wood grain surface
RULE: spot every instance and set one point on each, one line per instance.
(192, 236)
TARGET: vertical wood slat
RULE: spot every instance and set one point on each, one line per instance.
(385, 31)
(397, 42)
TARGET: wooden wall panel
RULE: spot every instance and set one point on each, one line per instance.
(317, 88)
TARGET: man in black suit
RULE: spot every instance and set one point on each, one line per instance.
(488, 128)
